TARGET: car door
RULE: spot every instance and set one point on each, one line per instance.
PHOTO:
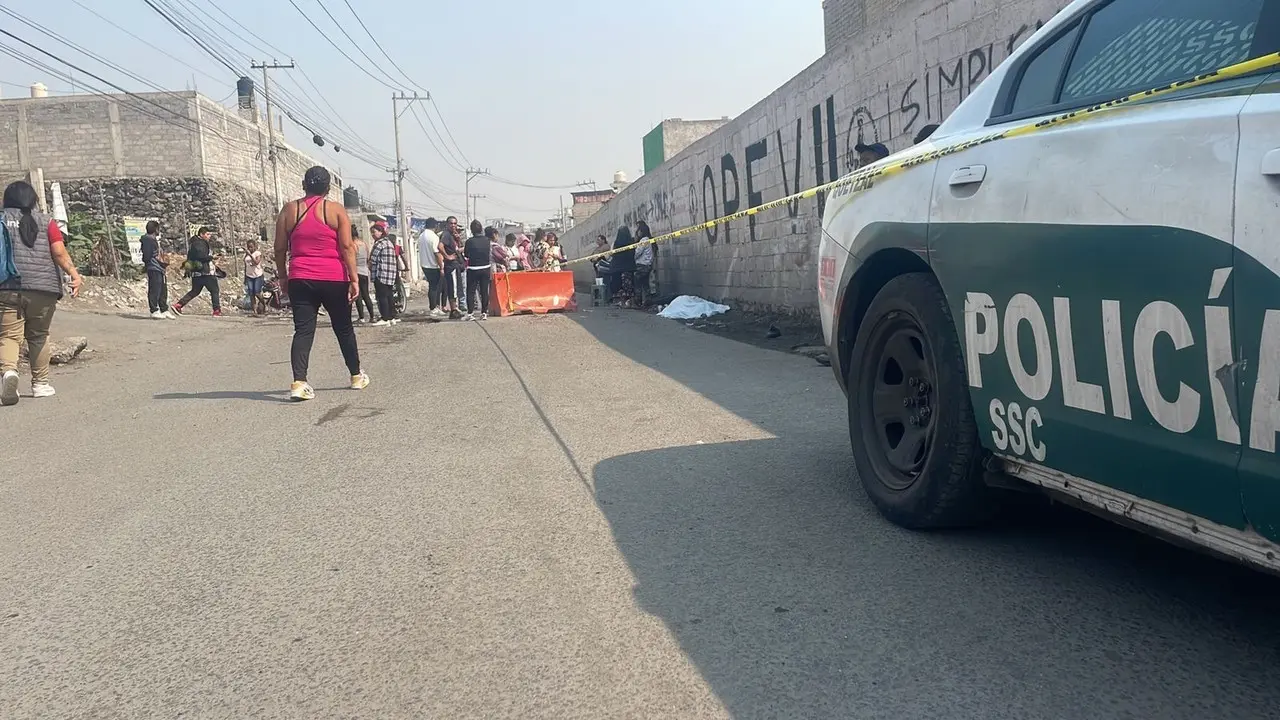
(1257, 306)
(1087, 263)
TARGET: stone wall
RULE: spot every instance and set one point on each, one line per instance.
(909, 69)
(234, 212)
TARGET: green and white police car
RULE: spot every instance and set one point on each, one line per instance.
(1092, 308)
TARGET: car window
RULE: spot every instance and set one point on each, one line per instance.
(1131, 44)
(1039, 84)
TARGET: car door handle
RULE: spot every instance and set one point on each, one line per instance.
(968, 175)
(1271, 163)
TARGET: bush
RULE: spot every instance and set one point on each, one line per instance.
(91, 245)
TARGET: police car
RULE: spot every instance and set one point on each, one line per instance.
(1092, 307)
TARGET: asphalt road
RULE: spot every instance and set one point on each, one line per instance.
(603, 515)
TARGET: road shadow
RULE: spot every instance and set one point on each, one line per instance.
(271, 396)
(794, 598)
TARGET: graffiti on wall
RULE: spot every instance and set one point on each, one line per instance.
(729, 184)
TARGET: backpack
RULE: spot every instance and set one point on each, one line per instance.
(8, 271)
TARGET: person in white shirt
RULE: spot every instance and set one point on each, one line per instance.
(431, 260)
(253, 278)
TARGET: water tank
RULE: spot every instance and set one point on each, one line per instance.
(38, 90)
(620, 177)
(244, 91)
(351, 197)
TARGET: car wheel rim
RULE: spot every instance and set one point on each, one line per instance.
(901, 411)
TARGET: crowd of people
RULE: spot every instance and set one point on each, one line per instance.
(323, 267)
(628, 272)
(459, 271)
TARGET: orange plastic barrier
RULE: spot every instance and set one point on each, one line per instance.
(535, 292)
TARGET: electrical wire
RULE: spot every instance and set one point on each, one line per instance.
(452, 163)
(337, 47)
(151, 4)
(151, 45)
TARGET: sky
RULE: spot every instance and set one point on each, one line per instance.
(539, 92)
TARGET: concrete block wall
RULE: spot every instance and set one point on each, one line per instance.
(235, 151)
(82, 136)
(910, 68)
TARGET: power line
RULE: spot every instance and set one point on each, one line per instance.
(150, 44)
(337, 47)
(374, 38)
(448, 131)
(100, 79)
(193, 38)
(356, 44)
(453, 163)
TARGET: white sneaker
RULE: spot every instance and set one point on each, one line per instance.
(438, 313)
(468, 316)
(395, 321)
(360, 382)
(381, 323)
(9, 388)
(157, 315)
(42, 390)
(484, 316)
(301, 390)
(168, 315)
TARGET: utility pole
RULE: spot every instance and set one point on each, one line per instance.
(474, 207)
(403, 215)
(271, 126)
(471, 173)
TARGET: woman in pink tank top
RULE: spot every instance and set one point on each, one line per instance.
(313, 241)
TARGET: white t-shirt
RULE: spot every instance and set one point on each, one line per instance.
(428, 245)
(253, 264)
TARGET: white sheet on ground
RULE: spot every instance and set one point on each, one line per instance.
(691, 307)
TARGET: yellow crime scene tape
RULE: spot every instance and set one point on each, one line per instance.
(861, 179)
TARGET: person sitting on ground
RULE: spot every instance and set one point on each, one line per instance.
(870, 154)
(317, 262)
(203, 271)
(30, 287)
(254, 279)
(602, 265)
(384, 270)
(644, 263)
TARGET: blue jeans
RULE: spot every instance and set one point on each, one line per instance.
(253, 286)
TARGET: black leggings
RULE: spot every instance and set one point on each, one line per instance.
(203, 282)
(307, 297)
(386, 303)
(478, 282)
(362, 300)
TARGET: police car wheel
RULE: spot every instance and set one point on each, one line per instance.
(911, 424)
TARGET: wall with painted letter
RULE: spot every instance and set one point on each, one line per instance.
(900, 72)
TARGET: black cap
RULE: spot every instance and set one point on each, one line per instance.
(877, 148)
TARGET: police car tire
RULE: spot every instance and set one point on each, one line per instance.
(949, 491)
